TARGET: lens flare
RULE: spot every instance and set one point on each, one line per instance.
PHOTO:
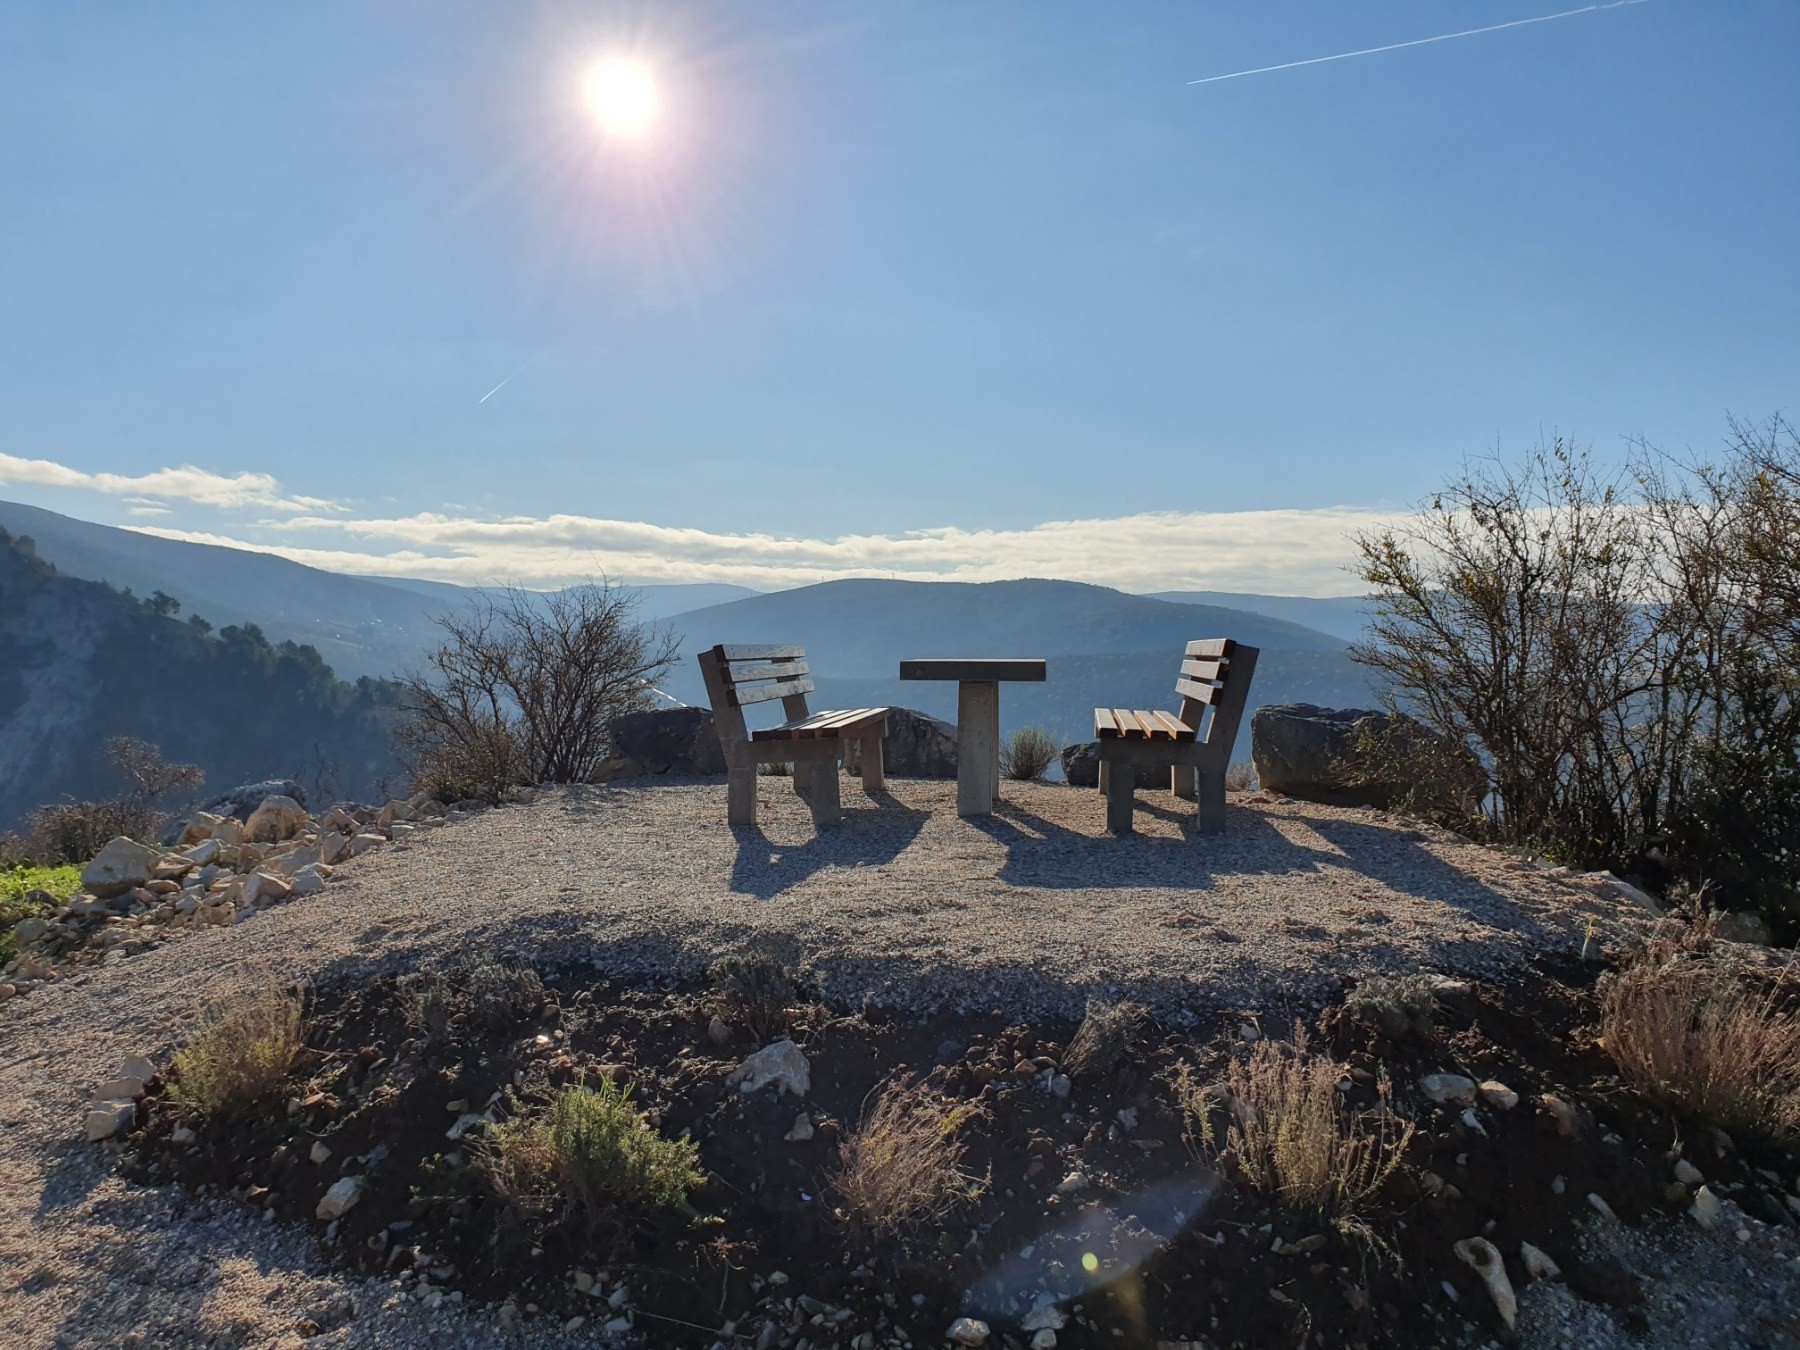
(623, 96)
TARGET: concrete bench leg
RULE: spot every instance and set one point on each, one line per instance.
(1181, 781)
(874, 774)
(1105, 776)
(803, 772)
(1119, 787)
(740, 795)
(824, 794)
(1211, 817)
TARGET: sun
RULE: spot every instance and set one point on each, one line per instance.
(623, 96)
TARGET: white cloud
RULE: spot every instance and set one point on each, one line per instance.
(1283, 551)
(1292, 552)
(186, 484)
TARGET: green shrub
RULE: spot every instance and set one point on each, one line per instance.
(487, 993)
(1027, 752)
(1396, 1006)
(243, 1052)
(590, 1149)
(757, 989)
(20, 881)
(1104, 1037)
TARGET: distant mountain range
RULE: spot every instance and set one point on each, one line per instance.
(1105, 647)
(370, 626)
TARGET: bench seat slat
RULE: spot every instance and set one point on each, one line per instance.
(1200, 693)
(1174, 727)
(823, 725)
(1148, 724)
(762, 693)
(1104, 723)
(1128, 724)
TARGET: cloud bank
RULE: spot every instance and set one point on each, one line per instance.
(1294, 552)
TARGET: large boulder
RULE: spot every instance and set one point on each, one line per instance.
(278, 818)
(669, 740)
(1361, 757)
(916, 745)
(1081, 768)
(243, 800)
(119, 867)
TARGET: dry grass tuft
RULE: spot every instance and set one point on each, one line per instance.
(243, 1051)
(1693, 1034)
(1290, 1134)
(588, 1148)
(1027, 753)
(903, 1166)
(1104, 1037)
(756, 989)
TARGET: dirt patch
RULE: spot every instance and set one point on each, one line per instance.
(1092, 1203)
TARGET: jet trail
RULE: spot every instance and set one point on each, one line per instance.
(1419, 42)
(497, 388)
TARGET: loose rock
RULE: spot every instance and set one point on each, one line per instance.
(1483, 1258)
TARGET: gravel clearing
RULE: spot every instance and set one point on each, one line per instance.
(902, 904)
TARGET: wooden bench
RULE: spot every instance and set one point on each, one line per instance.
(738, 676)
(1215, 674)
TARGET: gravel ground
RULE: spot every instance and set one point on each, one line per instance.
(903, 904)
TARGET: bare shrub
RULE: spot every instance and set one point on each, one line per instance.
(1105, 1036)
(1398, 1006)
(1693, 1034)
(1290, 1134)
(755, 988)
(1027, 753)
(777, 769)
(589, 1149)
(244, 1049)
(73, 832)
(903, 1165)
(527, 685)
(1240, 777)
(148, 776)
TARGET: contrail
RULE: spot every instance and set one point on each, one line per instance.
(1419, 42)
(522, 369)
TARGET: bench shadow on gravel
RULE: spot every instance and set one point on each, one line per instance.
(764, 869)
(1044, 855)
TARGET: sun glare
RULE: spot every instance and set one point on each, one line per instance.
(623, 96)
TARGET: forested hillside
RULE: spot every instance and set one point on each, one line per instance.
(81, 662)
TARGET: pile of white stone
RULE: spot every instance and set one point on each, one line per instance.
(221, 872)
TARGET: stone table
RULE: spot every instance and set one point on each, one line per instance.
(977, 720)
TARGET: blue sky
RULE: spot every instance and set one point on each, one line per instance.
(969, 290)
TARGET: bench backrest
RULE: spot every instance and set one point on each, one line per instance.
(737, 676)
(1216, 674)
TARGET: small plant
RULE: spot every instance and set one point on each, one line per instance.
(1396, 1006)
(21, 890)
(1290, 1135)
(1692, 1034)
(1240, 777)
(243, 1051)
(73, 832)
(903, 1165)
(485, 992)
(588, 1148)
(1028, 752)
(781, 769)
(757, 989)
(1104, 1037)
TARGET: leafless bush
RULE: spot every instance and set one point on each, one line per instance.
(1606, 641)
(1290, 1134)
(1240, 777)
(1028, 752)
(1694, 1034)
(1104, 1037)
(73, 832)
(903, 1165)
(525, 687)
(148, 776)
